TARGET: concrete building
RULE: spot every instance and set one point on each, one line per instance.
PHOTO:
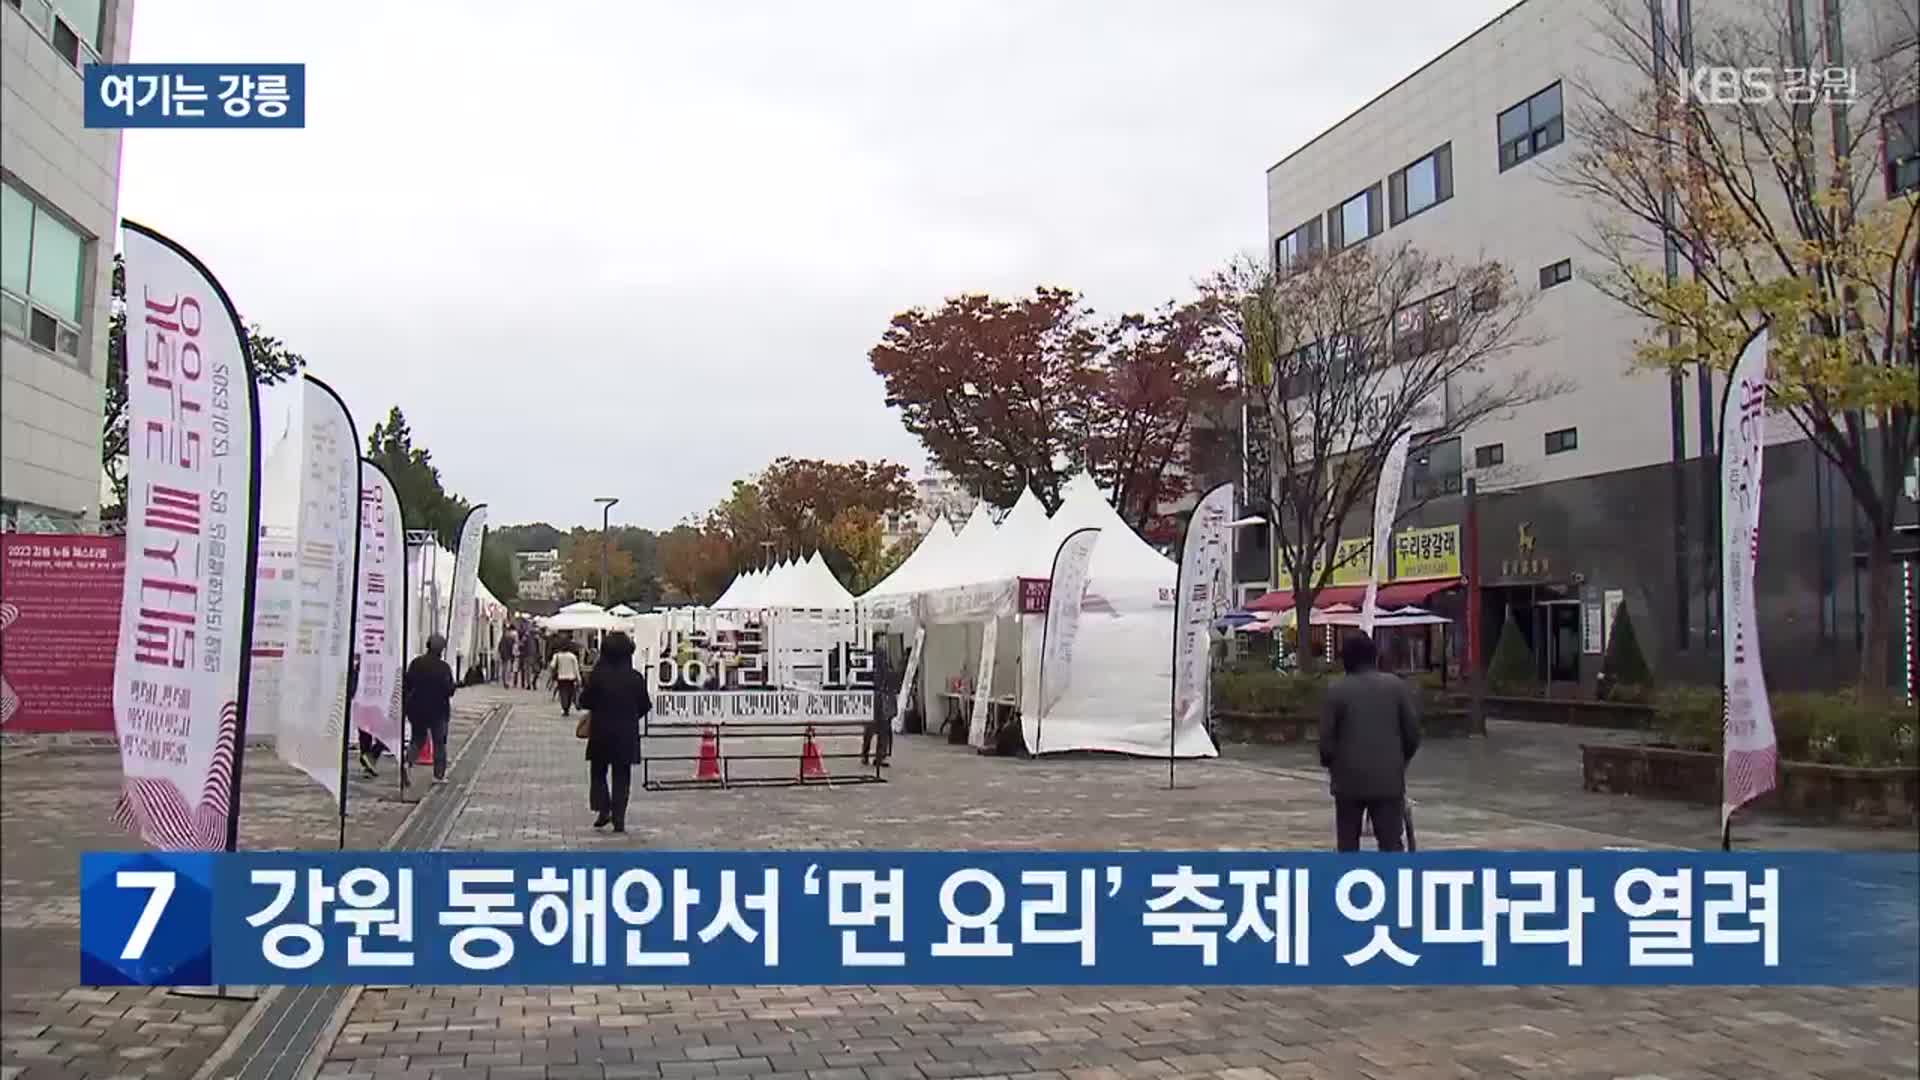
(1600, 496)
(59, 216)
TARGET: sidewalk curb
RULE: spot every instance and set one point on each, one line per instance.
(316, 1055)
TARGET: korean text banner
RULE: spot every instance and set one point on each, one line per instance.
(993, 918)
(59, 614)
(313, 682)
(466, 581)
(193, 474)
(196, 95)
(379, 627)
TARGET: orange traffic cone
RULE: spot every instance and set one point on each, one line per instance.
(426, 752)
(811, 767)
(709, 756)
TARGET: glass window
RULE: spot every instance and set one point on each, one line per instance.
(1559, 442)
(1486, 457)
(1531, 127)
(16, 233)
(54, 268)
(1556, 273)
(1356, 219)
(1423, 184)
(84, 17)
(1901, 131)
(1286, 250)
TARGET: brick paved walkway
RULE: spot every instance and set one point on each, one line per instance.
(530, 795)
(53, 806)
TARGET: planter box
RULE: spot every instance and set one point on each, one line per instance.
(1576, 712)
(1282, 728)
(1806, 790)
(1266, 728)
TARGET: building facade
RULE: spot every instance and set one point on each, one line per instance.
(539, 575)
(59, 216)
(1603, 495)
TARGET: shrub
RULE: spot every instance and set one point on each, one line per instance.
(1825, 728)
(1625, 665)
(1268, 692)
(1512, 668)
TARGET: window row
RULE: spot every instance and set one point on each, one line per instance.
(1900, 135)
(1557, 442)
(42, 268)
(74, 27)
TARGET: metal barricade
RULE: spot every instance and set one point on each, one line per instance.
(808, 758)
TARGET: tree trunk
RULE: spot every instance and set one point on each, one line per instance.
(1878, 636)
(1306, 659)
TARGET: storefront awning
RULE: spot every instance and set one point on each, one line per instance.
(1392, 595)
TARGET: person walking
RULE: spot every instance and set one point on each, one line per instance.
(885, 695)
(1369, 732)
(509, 657)
(616, 699)
(530, 659)
(566, 677)
(426, 692)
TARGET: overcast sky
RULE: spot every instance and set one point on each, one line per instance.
(642, 249)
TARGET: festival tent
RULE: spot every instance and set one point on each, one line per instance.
(892, 597)
(584, 616)
(624, 611)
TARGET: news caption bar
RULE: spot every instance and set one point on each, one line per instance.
(972, 918)
(196, 96)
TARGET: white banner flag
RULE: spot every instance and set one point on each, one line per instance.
(1386, 505)
(273, 592)
(1203, 561)
(193, 463)
(983, 684)
(380, 624)
(1752, 757)
(1072, 564)
(313, 682)
(466, 584)
(906, 679)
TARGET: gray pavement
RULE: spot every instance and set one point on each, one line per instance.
(530, 794)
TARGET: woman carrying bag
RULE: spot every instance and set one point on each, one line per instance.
(615, 698)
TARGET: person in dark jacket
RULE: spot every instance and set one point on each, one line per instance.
(1369, 731)
(615, 698)
(886, 689)
(426, 690)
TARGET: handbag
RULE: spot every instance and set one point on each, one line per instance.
(583, 726)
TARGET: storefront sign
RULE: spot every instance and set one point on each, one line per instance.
(1526, 562)
(1424, 554)
(721, 706)
(1352, 560)
(60, 614)
(1034, 593)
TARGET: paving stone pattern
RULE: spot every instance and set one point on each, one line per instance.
(530, 794)
(53, 806)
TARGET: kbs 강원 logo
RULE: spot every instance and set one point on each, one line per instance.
(1763, 85)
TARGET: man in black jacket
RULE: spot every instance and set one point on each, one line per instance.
(886, 691)
(1369, 731)
(427, 692)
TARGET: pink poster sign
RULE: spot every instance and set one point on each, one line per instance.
(59, 619)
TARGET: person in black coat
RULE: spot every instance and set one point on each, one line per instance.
(886, 690)
(426, 691)
(1369, 732)
(615, 697)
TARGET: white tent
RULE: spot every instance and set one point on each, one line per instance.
(1119, 695)
(891, 598)
(584, 616)
(624, 611)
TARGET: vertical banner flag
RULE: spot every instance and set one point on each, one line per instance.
(1072, 563)
(274, 594)
(1752, 755)
(983, 684)
(380, 623)
(193, 464)
(466, 582)
(1386, 506)
(313, 682)
(1202, 557)
(906, 679)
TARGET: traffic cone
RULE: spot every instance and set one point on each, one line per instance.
(811, 767)
(426, 752)
(709, 756)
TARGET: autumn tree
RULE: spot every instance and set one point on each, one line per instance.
(998, 390)
(696, 562)
(1156, 374)
(273, 362)
(1779, 211)
(581, 567)
(856, 541)
(497, 570)
(1337, 357)
(803, 497)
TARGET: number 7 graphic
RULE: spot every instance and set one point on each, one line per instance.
(161, 882)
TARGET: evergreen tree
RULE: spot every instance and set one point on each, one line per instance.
(1625, 664)
(1513, 666)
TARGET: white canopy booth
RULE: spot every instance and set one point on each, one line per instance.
(1119, 691)
(802, 609)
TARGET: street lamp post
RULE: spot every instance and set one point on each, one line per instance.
(606, 509)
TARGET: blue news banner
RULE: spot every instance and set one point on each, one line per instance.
(196, 96)
(1134, 918)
